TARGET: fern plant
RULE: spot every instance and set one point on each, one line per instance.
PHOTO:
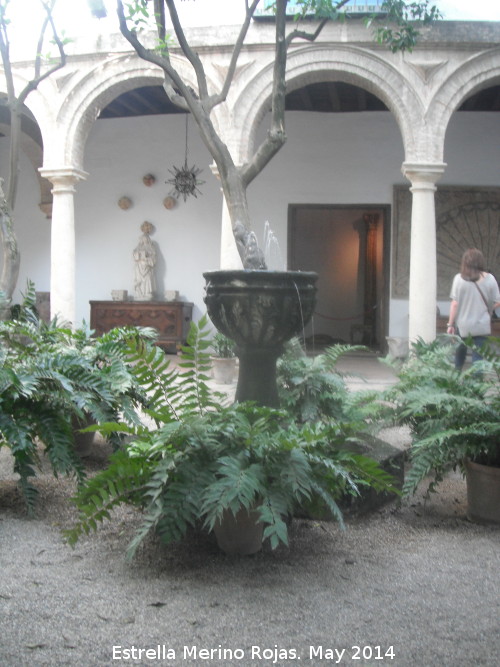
(202, 459)
(313, 388)
(51, 378)
(222, 346)
(452, 415)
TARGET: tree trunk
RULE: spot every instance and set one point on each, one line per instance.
(11, 257)
(236, 199)
(8, 238)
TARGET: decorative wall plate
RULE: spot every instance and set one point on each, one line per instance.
(125, 203)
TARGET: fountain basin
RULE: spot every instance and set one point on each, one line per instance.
(260, 310)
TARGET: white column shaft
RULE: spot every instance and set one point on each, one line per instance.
(423, 262)
(62, 260)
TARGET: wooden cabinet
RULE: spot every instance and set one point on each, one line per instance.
(170, 318)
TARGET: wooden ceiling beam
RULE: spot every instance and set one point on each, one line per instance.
(333, 96)
(362, 99)
(328, 96)
(305, 97)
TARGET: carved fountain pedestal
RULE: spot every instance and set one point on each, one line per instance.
(260, 310)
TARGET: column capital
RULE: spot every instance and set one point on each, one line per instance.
(63, 177)
(423, 173)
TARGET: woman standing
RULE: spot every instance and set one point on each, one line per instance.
(474, 297)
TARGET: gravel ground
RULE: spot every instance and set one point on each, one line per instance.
(410, 585)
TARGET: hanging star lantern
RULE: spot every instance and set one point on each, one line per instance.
(185, 179)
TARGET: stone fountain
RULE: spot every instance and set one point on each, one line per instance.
(260, 310)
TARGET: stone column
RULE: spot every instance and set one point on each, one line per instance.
(62, 251)
(229, 255)
(423, 265)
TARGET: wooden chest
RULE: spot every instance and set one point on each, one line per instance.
(170, 318)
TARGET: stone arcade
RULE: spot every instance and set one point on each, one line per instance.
(84, 169)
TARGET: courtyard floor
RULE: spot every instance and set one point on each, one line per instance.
(413, 584)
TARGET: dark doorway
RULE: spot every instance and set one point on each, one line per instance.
(348, 247)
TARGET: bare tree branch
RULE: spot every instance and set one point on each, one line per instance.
(214, 100)
(39, 76)
(312, 36)
(191, 55)
(177, 91)
(234, 179)
(302, 34)
(5, 51)
(11, 255)
(276, 136)
(160, 20)
(16, 101)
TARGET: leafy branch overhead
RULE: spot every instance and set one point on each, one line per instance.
(399, 29)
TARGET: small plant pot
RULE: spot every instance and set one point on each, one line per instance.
(483, 493)
(224, 369)
(239, 535)
(83, 441)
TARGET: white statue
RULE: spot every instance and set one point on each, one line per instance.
(145, 261)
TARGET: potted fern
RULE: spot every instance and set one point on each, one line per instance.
(53, 380)
(223, 359)
(209, 464)
(454, 419)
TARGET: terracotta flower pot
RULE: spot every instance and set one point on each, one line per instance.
(239, 535)
(83, 441)
(224, 369)
(483, 492)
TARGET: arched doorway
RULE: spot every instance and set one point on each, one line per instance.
(348, 247)
(346, 244)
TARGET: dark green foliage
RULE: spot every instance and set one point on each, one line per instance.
(197, 367)
(452, 415)
(240, 456)
(36, 401)
(312, 388)
(203, 458)
(396, 25)
(401, 23)
(52, 378)
(222, 346)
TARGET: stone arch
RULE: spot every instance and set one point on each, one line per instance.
(477, 73)
(340, 63)
(90, 95)
(33, 126)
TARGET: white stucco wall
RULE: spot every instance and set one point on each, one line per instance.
(329, 158)
(119, 153)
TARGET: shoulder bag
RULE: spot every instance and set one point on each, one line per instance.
(484, 298)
